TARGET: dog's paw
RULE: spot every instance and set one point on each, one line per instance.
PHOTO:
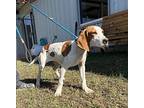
(88, 90)
(57, 93)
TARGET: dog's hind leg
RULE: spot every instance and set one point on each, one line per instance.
(34, 60)
(57, 72)
(42, 61)
(56, 68)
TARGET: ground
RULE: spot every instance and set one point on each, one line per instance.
(106, 74)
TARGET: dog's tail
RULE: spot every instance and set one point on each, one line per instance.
(34, 60)
(35, 51)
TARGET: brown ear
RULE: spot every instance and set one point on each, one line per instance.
(82, 41)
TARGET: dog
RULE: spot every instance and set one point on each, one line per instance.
(71, 53)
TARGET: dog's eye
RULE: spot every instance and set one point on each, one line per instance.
(94, 33)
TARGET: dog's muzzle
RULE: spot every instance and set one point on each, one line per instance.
(105, 43)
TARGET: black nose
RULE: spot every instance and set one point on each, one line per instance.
(105, 41)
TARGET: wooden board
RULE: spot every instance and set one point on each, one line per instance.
(116, 28)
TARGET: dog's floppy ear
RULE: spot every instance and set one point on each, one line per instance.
(82, 41)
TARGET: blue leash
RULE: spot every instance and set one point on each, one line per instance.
(51, 19)
(19, 34)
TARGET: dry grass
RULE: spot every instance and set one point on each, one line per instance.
(110, 89)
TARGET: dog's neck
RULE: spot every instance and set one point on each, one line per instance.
(79, 50)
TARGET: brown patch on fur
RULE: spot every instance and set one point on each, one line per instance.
(86, 35)
(66, 48)
(46, 47)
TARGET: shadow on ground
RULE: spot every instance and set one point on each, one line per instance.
(110, 63)
(47, 83)
(44, 83)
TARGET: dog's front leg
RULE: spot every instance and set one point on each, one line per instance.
(83, 79)
(60, 84)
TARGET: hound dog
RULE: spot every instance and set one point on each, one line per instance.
(70, 53)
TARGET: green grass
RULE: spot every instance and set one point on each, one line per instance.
(106, 74)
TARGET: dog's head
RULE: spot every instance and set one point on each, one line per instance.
(92, 36)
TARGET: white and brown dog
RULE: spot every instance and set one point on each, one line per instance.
(71, 53)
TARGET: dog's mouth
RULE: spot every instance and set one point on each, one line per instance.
(105, 46)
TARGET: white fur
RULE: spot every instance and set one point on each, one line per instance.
(76, 56)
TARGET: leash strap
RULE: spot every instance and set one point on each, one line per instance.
(51, 19)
